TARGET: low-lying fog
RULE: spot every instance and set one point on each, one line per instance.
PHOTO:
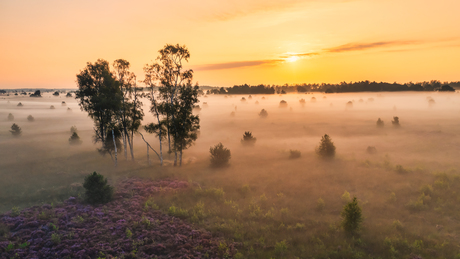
(41, 158)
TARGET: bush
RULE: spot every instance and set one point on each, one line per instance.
(74, 139)
(73, 129)
(248, 139)
(313, 99)
(326, 147)
(52, 107)
(371, 150)
(294, 154)
(263, 113)
(283, 104)
(97, 189)
(20, 104)
(302, 101)
(36, 94)
(15, 130)
(380, 123)
(352, 217)
(320, 204)
(63, 103)
(349, 104)
(395, 122)
(10, 117)
(219, 155)
(30, 118)
(56, 93)
(68, 95)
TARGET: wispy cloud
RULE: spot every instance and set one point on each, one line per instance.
(300, 55)
(371, 45)
(237, 64)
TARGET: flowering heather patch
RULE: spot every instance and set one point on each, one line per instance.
(122, 228)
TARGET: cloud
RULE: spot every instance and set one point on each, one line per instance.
(365, 46)
(300, 55)
(237, 64)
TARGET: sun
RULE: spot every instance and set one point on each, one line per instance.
(292, 59)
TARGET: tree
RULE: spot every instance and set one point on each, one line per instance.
(56, 93)
(248, 139)
(263, 113)
(380, 123)
(74, 139)
(97, 189)
(10, 117)
(36, 94)
(352, 217)
(395, 122)
(69, 94)
(326, 148)
(30, 118)
(15, 130)
(99, 94)
(176, 96)
(219, 155)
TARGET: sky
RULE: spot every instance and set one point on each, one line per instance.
(45, 43)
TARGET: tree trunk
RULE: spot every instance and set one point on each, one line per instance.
(148, 157)
(132, 146)
(124, 145)
(180, 158)
(115, 145)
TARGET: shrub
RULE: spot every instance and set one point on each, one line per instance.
(30, 118)
(219, 155)
(320, 204)
(56, 238)
(283, 104)
(302, 101)
(281, 247)
(74, 139)
(380, 123)
(395, 122)
(248, 139)
(326, 148)
(243, 99)
(97, 189)
(346, 197)
(15, 130)
(349, 104)
(401, 170)
(68, 95)
(313, 99)
(10, 117)
(36, 94)
(56, 93)
(63, 103)
(20, 104)
(68, 109)
(371, 150)
(52, 107)
(352, 217)
(294, 154)
(263, 113)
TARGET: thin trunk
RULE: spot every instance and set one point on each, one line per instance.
(169, 136)
(132, 146)
(124, 145)
(115, 145)
(148, 157)
(180, 158)
(159, 123)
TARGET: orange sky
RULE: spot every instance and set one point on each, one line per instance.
(44, 43)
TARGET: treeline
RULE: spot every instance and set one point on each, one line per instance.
(343, 87)
(112, 98)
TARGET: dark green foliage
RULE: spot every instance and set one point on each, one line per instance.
(10, 117)
(294, 154)
(36, 94)
(30, 118)
(380, 123)
(219, 155)
(248, 139)
(263, 113)
(74, 139)
(352, 217)
(15, 130)
(395, 122)
(326, 147)
(97, 189)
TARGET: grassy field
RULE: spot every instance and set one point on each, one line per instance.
(273, 206)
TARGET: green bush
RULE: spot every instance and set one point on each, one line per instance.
(219, 155)
(97, 189)
(326, 147)
(352, 217)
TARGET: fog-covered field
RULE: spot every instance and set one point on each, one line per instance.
(41, 167)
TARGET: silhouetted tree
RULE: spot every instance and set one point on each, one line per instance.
(15, 130)
(263, 113)
(20, 104)
(69, 94)
(97, 189)
(36, 94)
(74, 139)
(30, 118)
(248, 139)
(219, 155)
(380, 123)
(10, 117)
(326, 147)
(395, 122)
(283, 104)
(73, 129)
(56, 93)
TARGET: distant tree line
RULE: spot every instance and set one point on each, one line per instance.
(343, 87)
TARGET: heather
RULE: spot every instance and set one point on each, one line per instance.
(127, 227)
